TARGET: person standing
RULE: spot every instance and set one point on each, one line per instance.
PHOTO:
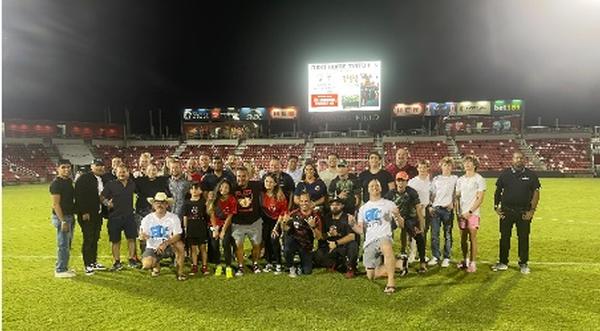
(515, 200)
(247, 221)
(311, 183)
(118, 197)
(442, 211)
(293, 169)
(401, 164)
(422, 184)
(63, 207)
(283, 179)
(470, 189)
(330, 173)
(89, 214)
(273, 204)
(179, 187)
(375, 171)
(345, 187)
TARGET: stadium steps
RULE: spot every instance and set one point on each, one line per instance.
(78, 154)
(454, 152)
(378, 145)
(309, 148)
(241, 147)
(530, 154)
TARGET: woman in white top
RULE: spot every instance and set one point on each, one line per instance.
(469, 196)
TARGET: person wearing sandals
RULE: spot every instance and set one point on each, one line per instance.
(470, 189)
(409, 205)
(162, 231)
(376, 216)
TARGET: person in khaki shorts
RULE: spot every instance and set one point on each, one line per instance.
(376, 216)
(247, 221)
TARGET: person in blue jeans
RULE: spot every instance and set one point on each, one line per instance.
(63, 207)
(441, 211)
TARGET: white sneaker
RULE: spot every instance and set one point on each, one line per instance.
(277, 269)
(268, 268)
(445, 263)
(433, 261)
(64, 274)
(499, 267)
(293, 272)
(525, 268)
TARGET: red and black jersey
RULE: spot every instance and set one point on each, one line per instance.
(299, 229)
(248, 206)
(273, 207)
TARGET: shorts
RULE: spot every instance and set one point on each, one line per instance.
(197, 232)
(372, 252)
(471, 223)
(151, 252)
(253, 231)
(121, 223)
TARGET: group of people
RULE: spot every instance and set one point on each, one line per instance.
(296, 218)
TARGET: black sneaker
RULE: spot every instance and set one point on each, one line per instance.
(134, 263)
(89, 270)
(97, 266)
(117, 266)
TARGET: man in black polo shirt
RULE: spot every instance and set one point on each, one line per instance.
(515, 201)
(63, 207)
(118, 197)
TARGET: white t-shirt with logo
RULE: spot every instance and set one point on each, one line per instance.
(376, 217)
(423, 187)
(443, 189)
(467, 188)
(160, 229)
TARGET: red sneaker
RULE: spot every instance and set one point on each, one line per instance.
(205, 270)
(349, 274)
(194, 270)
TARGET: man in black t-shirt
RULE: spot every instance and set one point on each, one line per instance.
(63, 207)
(345, 187)
(118, 197)
(338, 249)
(247, 221)
(375, 171)
(515, 200)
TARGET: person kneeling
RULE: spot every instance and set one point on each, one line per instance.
(162, 231)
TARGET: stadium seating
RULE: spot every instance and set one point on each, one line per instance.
(355, 154)
(433, 151)
(494, 155)
(261, 154)
(27, 163)
(131, 154)
(567, 155)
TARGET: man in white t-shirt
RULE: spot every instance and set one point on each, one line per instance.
(376, 215)
(162, 232)
(470, 189)
(441, 211)
(422, 184)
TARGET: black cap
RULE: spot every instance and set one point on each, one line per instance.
(98, 162)
(64, 161)
(336, 199)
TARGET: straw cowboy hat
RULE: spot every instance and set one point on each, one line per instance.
(160, 196)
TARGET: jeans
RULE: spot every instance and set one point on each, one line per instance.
(292, 247)
(441, 217)
(91, 234)
(63, 241)
(523, 228)
(228, 245)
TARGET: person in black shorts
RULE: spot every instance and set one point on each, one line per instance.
(118, 197)
(195, 223)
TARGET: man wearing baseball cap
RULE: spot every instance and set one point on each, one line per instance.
(407, 200)
(162, 231)
(345, 187)
(338, 248)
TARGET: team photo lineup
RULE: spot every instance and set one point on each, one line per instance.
(200, 210)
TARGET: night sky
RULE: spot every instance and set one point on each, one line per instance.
(71, 60)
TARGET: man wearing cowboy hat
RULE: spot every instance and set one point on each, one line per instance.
(162, 231)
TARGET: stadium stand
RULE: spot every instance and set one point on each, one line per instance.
(433, 151)
(566, 155)
(26, 163)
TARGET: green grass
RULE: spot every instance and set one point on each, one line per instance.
(556, 295)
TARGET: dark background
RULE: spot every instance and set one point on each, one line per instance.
(73, 60)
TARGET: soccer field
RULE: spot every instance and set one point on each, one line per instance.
(562, 292)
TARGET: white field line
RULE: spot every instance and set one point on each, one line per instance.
(109, 257)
